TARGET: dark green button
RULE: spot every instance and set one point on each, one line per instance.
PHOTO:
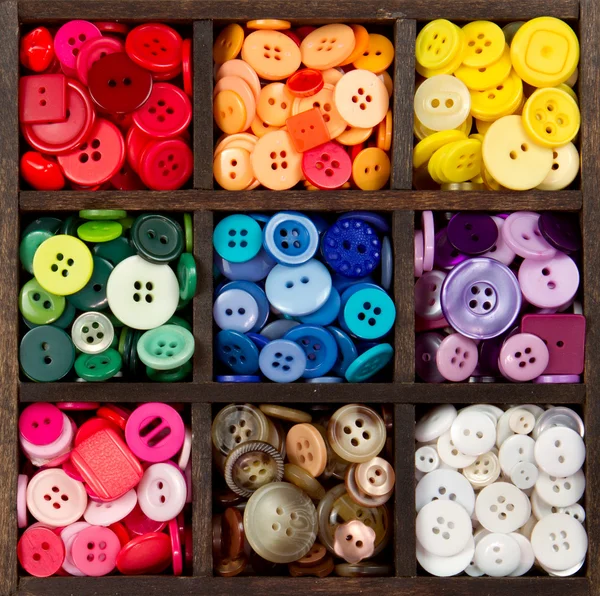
(29, 244)
(63, 321)
(189, 232)
(186, 276)
(93, 294)
(46, 354)
(128, 334)
(136, 366)
(170, 376)
(38, 306)
(48, 224)
(175, 320)
(115, 251)
(157, 238)
(113, 319)
(98, 367)
(70, 225)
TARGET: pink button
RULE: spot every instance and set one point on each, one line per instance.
(70, 470)
(41, 552)
(456, 357)
(138, 523)
(522, 234)
(68, 536)
(155, 432)
(41, 423)
(419, 253)
(95, 551)
(327, 166)
(354, 541)
(186, 450)
(57, 462)
(428, 239)
(501, 251)
(549, 283)
(176, 547)
(94, 49)
(523, 357)
(41, 454)
(188, 480)
(100, 513)
(557, 379)
(22, 501)
(162, 492)
(78, 405)
(70, 38)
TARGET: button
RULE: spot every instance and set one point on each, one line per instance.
(176, 547)
(502, 507)
(361, 98)
(94, 551)
(485, 77)
(166, 164)
(40, 552)
(308, 129)
(92, 51)
(38, 306)
(442, 102)
(319, 346)
(229, 112)
(484, 43)
(559, 542)
(327, 166)
(426, 459)
(443, 528)
(558, 416)
(305, 82)
(473, 433)
(228, 43)
(561, 492)
(324, 100)
(46, 354)
(560, 230)
(290, 238)
(472, 233)
(435, 423)
(41, 173)
(306, 448)
(274, 105)
(371, 169)
(375, 478)
(242, 89)
(521, 232)
(70, 38)
(247, 421)
(167, 112)
(99, 231)
(166, 347)
(378, 55)
(98, 367)
(369, 313)
(483, 471)
(302, 479)
(236, 310)
(446, 566)
(327, 46)
(497, 555)
(239, 68)
(496, 102)
(92, 333)
(162, 492)
(245, 246)
(354, 541)
(456, 358)
(560, 452)
(282, 361)
(273, 55)
(41, 423)
(275, 162)
(36, 50)
(438, 44)
(144, 555)
(523, 357)
(237, 351)
(514, 450)
(369, 363)
(42, 98)
(155, 47)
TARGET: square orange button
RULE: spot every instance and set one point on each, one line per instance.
(307, 129)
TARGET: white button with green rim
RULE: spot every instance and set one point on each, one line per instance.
(92, 333)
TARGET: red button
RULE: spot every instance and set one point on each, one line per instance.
(127, 179)
(77, 405)
(167, 113)
(166, 76)
(136, 142)
(305, 82)
(293, 37)
(98, 159)
(155, 47)
(92, 426)
(41, 552)
(115, 414)
(121, 531)
(186, 62)
(118, 85)
(94, 49)
(327, 166)
(112, 27)
(138, 523)
(37, 49)
(42, 98)
(176, 548)
(166, 165)
(41, 172)
(145, 555)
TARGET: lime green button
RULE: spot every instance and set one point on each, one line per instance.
(100, 231)
(189, 232)
(99, 214)
(166, 347)
(98, 367)
(127, 222)
(186, 276)
(39, 306)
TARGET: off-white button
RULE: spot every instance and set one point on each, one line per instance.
(575, 511)
(502, 507)
(526, 559)
(445, 566)
(497, 555)
(451, 455)
(473, 433)
(521, 421)
(427, 459)
(565, 167)
(494, 411)
(445, 485)
(524, 475)
(483, 471)
(515, 449)
(559, 416)
(443, 528)
(560, 452)
(435, 423)
(442, 102)
(561, 492)
(472, 570)
(539, 507)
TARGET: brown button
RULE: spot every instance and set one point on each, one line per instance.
(238, 423)
(375, 477)
(315, 555)
(303, 480)
(217, 537)
(230, 567)
(261, 566)
(224, 497)
(285, 413)
(232, 533)
(321, 569)
(363, 569)
(358, 496)
(306, 448)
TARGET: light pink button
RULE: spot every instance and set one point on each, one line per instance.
(456, 357)
(176, 547)
(354, 541)
(100, 513)
(549, 283)
(22, 501)
(40, 454)
(41, 552)
(95, 551)
(155, 432)
(188, 480)
(522, 234)
(41, 423)
(523, 357)
(68, 536)
(70, 38)
(501, 251)
(428, 239)
(57, 462)
(186, 449)
(419, 250)
(162, 492)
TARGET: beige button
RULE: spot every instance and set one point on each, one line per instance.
(361, 98)
(442, 102)
(275, 162)
(302, 479)
(565, 167)
(273, 55)
(275, 104)
(284, 413)
(306, 448)
(483, 471)
(331, 76)
(360, 497)
(354, 541)
(241, 88)
(232, 169)
(323, 100)
(327, 46)
(521, 421)
(375, 477)
(241, 140)
(356, 433)
(238, 423)
(239, 68)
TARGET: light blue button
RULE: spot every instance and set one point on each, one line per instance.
(369, 313)
(298, 291)
(277, 329)
(237, 238)
(347, 352)
(256, 269)
(319, 346)
(328, 313)
(325, 380)
(387, 263)
(290, 238)
(369, 363)
(236, 310)
(282, 361)
(237, 351)
(256, 292)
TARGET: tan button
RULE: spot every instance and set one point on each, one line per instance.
(306, 448)
(229, 112)
(324, 100)
(275, 162)
(231, 567)
(354, 541)
(384, 133)
(276, 436)
(375, 477)
(361, 98)
(321, 569)
(241, 140)
(302, 479)
(228, 43)
(239, 68)
(239, 86)
(275, 104)
(260, 128)
(331, 76)
(315, 555)
(232, 169)
(237, 423)
(327, 46)
(273, 55)
(521, 421)
(284, 413)
(360, 497)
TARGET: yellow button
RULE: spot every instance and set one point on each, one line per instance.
(485, 43)
(228, 44)
(433, 165)
(551, 117)
(442, 102)
(478, 136)
(498, 101)
(354, 135)
(565, 167)
(371, 169)
(275, 104)
(461, 161)
(568, 90)
(512, 158)
(482, 126)
(422, 132)
(449, 68)
(545, 52)
(229, 112)
(63, 265)
(378, 56)
(484, 77)
(427, 147)
(438, 44)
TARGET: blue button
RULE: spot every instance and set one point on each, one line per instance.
(341, 283)
(369, 363)
(282, 361)
(277, 329)
(260, 340)
(256, 292)
(328, 313)
(260, 217)
(369, 313)
(237, 351)
(347, 352)
(300, 290)
(256, 269)
(387, 264)
(235, 309)
(237, 238)
(373, 219)
(238, 379)
(351, 247)
(290, 238)
(325, 380)
(319, 346)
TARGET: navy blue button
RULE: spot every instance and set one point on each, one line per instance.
(290, 238)
(347, 352)
(237, 351)
(319, 346)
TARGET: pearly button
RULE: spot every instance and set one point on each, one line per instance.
(523, 357)
(560, 452)
(445, 485)
(442, 102)
(162, 492)
(354, 541)
(522, 421)
(522, 233)
(558, 416)
(427, 295)
(443, 528)
(524, 475)
(427, 459)
(92, 333)
(98, 513)
(376, 477)
(483, 471)
(237, 423)
(446, 566)
(435, 423)
(560, 492)
(559, 542)
(450, 454)
(502, 507)
(515, 449)
(473, 433)
(497, 555)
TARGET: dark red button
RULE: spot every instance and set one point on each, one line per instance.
(112, 27)
(166, 165)
(118, 85)
(92, 51)
(127, 179)
(42, 98)
(186, 62)
(41, 172)
(155, 47)
(37, 49)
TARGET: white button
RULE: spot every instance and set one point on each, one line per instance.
(435, 423)
(445, 485)
(443, 528)
(92, 333)
(473, 433)
(565, 167)
(561, 492)
(521, 421)
(451, 455)
(105, 514)
(427, 459)
(472, 570)
(560, 452)
(483, 471)
(162, 492)
(539, 507)
(524, 475)
(445, 566)
(442, 102)
(186, 450)
(497, 555)
(576, 511)
(503, 430)
(559, 416)
(566, 573)
(142, 295)
(559, 542)
(528, 527)
(526, 559)
(515, 449)
(502, 507)
(494, 411)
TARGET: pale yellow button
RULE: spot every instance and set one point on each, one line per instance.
(323, 100)
(371, 169)
(485, 43)
(378, 56)
(565, 167)
(275, 104)
(461, 161)
(427, 147)
(354, 135)
(498, 101)
(438, 44)
(422, 132)
(442, 102)
(512, 158)
(229, 112)
(483, 77)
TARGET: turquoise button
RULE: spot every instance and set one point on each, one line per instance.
(98, 367)
(369, 363)
(166, 347)
(237, 238)
(46, 354)
(369, 313)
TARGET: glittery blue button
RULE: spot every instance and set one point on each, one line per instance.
(237, 351)
(256, 292)
(328, 313)
(282, 361)
(347, 352)
(369, 363)
(369, 313)
(351, 247)
(237, 238)
(290, 238)
(319, 346)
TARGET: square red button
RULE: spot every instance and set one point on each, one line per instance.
(43, 98)
(307, 129)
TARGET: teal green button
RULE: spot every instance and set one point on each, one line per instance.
(166, 347)
(93, 295)
(369, 363)
(157, 238)
(180, 322)
(114, 251)
(186, 276)
(237, 238)
(369, 313)
(98, 367)
(170, 376)
(29, 244)
(189, 232)
(48, 224)
(46, 354)
(70, 225)
(99, 231)
(39, 306)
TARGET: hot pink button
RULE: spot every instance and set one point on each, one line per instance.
(94, 49)
(41, 423)
(419, 250)
(95, 551)
(549, 283)
(78, 405)
(522, 234)
(327, 166)
(523, 357)
(176, 547)
(456, 357)
(70, 38)
(68, 536)
(22, 501)
(40, 454)
(428, 240)
(41, 552)
(155, 432)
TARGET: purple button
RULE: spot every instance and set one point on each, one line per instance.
(446, 256)
(428, 240)
(472, 233)
(557, 379)
(561, 230)
(481, 298)
(426, 348)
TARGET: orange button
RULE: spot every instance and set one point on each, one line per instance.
(275, 104)
(260, 128)
(275, 162)
(384, 132)
(228, 44)
(354, 135)
(361, 98)
(232, 169)
(274, 24)
(331, 76)
(229, 112)
(306, 448)
(239, 86)
(378, 56)
(361, 42)
(273, 55)
(323, 100)
(371, 169)
(307, 130)
(239, 68)
(327, 46)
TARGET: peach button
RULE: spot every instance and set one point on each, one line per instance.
(354, 135)
(306, 448)
(274, 24)
(228, 44)
(371, 169)
(239, 68)
(273, 55)
(239, 86)
(354, 541)
(331, 76)
(242, 140)
(384, 132)
(361, 42)
(232, 169)
(229, 112)
(375, 477)
(323, 100)
(275, 104)
(361, 98)
(260, 128)
(275, 162)
(327, 46)
(378, 56)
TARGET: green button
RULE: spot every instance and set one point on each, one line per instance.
(157, 238)
(115, 251)
(99, 231)
(186, 276)
(113, 319)
(63, 321)
(136, 366)
(127, 222)
(70, 225)
(29, 245)
(166, 347)
(99, 214)
(189, 232)
(170, 376)
(46, 354)
(98, 367)
(47, 224)
(175, 320)
(93, 295)
(39, 306)
(122, 339)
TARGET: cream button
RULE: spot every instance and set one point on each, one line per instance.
(473, 433)
(443, 528)
(451, 455)
(565, 167)
(522, 421)
(497, 555)
(483, 471)
(442, 102)
(560, 452)
(502, 507)
(559, 542)
(426, 459)
(445, 485)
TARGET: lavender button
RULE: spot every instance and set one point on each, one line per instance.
(557, 379)
(446, 256)
(472, 233)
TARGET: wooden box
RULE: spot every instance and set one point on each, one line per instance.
(203, 17)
